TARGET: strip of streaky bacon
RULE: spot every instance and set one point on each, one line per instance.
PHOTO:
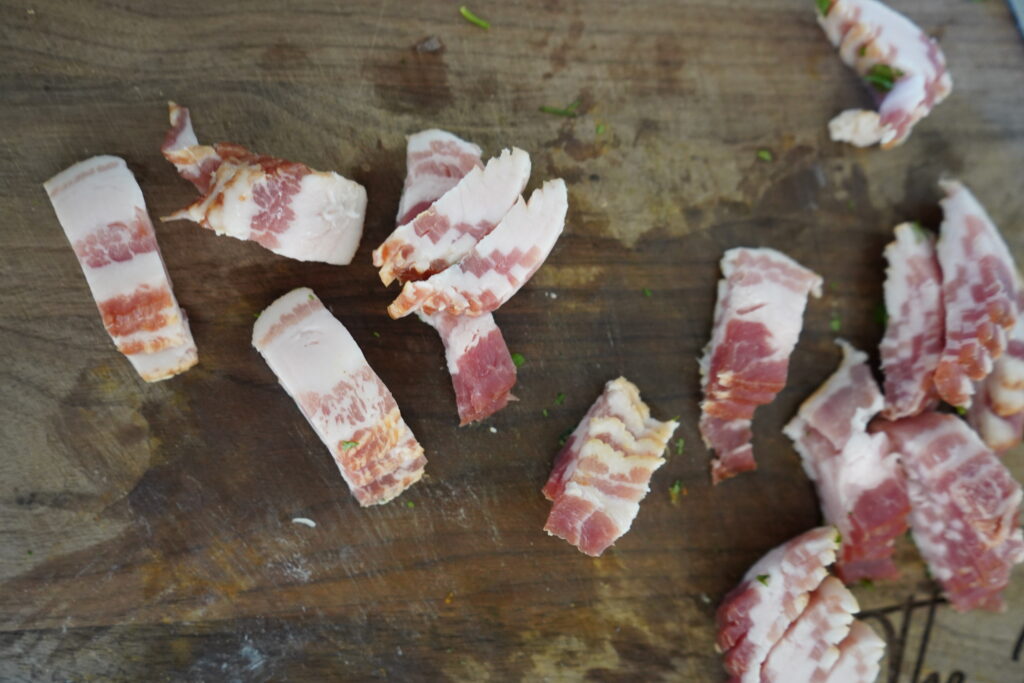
(479, 362)
(284, 206)
(444, 233)
(498, 265)
(915, 331)
(997, 413)
(903, 65)
(758, 318)
(322, 368)
(964, 507)
(604, 470)
(101, 208)
(756, 614)
(861, 488)
(860, 656)
(979, 290)
(435, 162)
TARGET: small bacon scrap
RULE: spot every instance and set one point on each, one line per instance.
(435, 162)
(604, 470)
(979, 289)
(103, 213)
(443, 234)
(861, 487)
(758, 319)
(284, 206)
(496, 267)
(964, 507)
(904, 66)
(998, 413)
(860, 656)
(322, 368)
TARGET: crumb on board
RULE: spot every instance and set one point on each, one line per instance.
(305, 521)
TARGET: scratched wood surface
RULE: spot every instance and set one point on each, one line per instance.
(145, 530)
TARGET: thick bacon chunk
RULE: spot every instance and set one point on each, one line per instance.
(320, 365)
(860, 656)
(284, 206)
(903, 65)
(979, 291)
(964, 507)
(603, 472)
(758, 318)
(103, 213)
(435, 162)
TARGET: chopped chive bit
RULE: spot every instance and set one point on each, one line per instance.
(883, 76)
(560, 399)
(348, 445)
(647, 292)
(468, 15)
(867, 583)
(376, 334)
(763, 579)
(960, 410)
(568, 111)
(564, 437)
(680, 443)
(410, 504)
(600, 129)
(839, 537)
(674, 491)
(518, 359)
(835, 324)
(765, 155)
(881, 315)
(544, 412)
(824, 6)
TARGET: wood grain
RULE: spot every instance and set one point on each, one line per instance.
(145, 531)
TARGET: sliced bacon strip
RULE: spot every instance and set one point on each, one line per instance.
(979, 291)
(756, 614)
(604, 470)
(443, 234)
(861, 487)
(964, 507)
(284, 206)
(903, 65)
(860, 656)
(915, 332)
(101, 208)
(758, 318)
(498, 265)
(322, 368)
(435, 162)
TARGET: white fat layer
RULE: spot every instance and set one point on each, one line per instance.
(858, 127)
(423, 186)
(329, 214)
(860, 654)
(998, 433)
(171, 361)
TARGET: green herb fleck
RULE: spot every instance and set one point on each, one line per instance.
(863, 51)
(29, 552)
(881, 315)
(673, 492)
(564, 437)
(960, 410)
(410, 504)
(835, 324)
(256, 315)
(600, 129)
(867, 583)
(518, 359)
(348, 445)
(679, 446)
(569, 111)
(648, 293)
(560, 399)
(765, 155)
(763, 579)
(838, 538)
(824, 6)
(311, 297)
(883, 76)
(544, 412)
(468, 15)
(376, 334)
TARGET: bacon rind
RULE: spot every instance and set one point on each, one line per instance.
(435, 162)
(868, 34)
(322, 368)
(860, 656)
(758, 318)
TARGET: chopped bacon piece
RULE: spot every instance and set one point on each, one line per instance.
(999, 432)
(758, 317)
(435, 162)
(603, 472)
(861, 487)
(903, 65)
(103, 213)
(860, 656)
(998, 414)
(284, 206)
(320, 365)
(979, 291)
(755, 615)
(964, 507)
(496, 267)
(441, 235)
(915, 332)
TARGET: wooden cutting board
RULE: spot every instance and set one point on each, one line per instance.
(145, 530)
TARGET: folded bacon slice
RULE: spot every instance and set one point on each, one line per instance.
(758, 318)
(284, 206)
(860, 656)
(322, 368)
(498, 265)
(604, 469)
(101, 208)
(443, 234)
(903, 65)
(964, 507)
(979, 291)
(435, 162)
(915, 331)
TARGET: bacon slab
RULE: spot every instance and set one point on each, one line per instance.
(498, 265)
(284, 206)
(979, 291)
(860, 656)
(964, 507)
(322, 368)
(758, 318)
(903, 65)
(604, 470)
(435, 162)
(443, 234)
(756, 614)
(103, 213)
(915, 332)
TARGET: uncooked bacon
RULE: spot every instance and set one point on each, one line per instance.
(103, 213)
(860, 656)
(997, 413)
(604, 470)
(322, 368)
(903, 65)
(964, 507)
(284, 206)
(758, 318)
(435, 162)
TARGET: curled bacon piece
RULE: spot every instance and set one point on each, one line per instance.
(435, 162)
(860, 656)
(997, 414)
